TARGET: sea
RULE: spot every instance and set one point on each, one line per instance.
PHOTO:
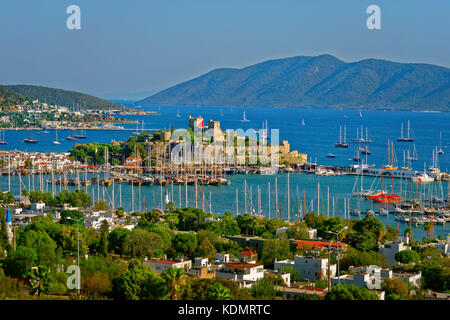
(316, 138)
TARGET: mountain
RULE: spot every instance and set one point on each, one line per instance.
(9, 97)
(320, 81)
(64, 98)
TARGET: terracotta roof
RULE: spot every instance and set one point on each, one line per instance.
(317, 244)
(248, 252)
(243, 265)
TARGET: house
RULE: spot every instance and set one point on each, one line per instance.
(221, 258)
(311, 268)
(38, 207)
(248, 255)
(201, 262)
(290, 292)
(372, 277)
(411, 278)
(390, 248)
(246, 274)
(201, 272)
(161, 265)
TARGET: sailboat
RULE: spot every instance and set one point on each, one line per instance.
(385, 197)
(81, 135)
(440, 151)
(3, 141)
(360, 114)
(407, 138)
(365, 150)
(356, 157)
(414, 156)
(303, 123)
(341, 144)
(56, 140)
(71, 138)
(137, 128)
(244, 119)
(30, 140)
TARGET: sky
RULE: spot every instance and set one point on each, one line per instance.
(129, 49)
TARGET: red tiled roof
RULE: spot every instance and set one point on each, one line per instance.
(248, 252)
(317, 244)
(243, 265)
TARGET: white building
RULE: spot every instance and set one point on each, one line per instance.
(244, 273)
(38, 207)
(161, 265)
(372, 277)
(222, 258)
(310, 268)
(390, 249)
(201, 262)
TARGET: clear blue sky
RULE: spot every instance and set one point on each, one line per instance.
(147, 45)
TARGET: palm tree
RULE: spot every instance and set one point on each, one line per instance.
(219, 292)
(174, 278)
(38, 280)
(427, 228)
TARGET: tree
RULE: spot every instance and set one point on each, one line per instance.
(18, 263)
(3, 231)
(39, 281)
(350, 292)
(175, 281)
(407, 256)
(353, 257)
(139, 284)
(101, 205)
(427, 228)
(391, 233)
(263, 289)
(69, 217)
(43, 245)
(206, 249)
(219, 292)
(116, 240)
(120, 212)
(152, 216)
(185, 243)
(141, 243)
(394, 288)
(274, 248)
(104, 232)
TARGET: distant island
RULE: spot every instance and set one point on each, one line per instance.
(321, 81)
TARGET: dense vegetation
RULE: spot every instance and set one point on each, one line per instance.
(10, 98)
(114, 267)
(321, 81)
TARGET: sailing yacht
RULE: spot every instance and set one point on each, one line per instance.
(407, 138)
(356, 157)
(341, 144)
(56, 140)
(178, 114)
(137, 128)
(244, 119)
(81, 135)
(303, 123)
(3, 141)
(440, 151)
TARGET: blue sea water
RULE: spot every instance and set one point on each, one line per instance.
(316, 139)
